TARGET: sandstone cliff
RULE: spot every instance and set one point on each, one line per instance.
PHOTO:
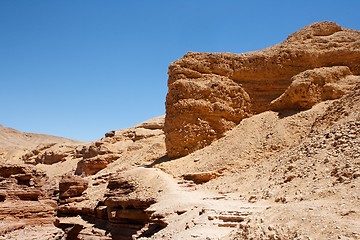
(210, 93)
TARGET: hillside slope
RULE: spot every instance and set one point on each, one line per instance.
(14, 143)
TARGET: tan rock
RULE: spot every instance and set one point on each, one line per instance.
(154, 123)
(199, 112)
(122, 208)
(201, 177)
(24, 198)
(313, 86)
(49, 154)
(209, 93)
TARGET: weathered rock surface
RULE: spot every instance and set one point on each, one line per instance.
(91, 166)
(49, 154)
(119, 144)
(25, 196)
(120, 210)
(72, 186)
(209, 93)
(209, 106)
(91, 158)
(202, 177)
(313, 86)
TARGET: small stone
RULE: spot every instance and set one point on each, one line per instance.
(356, 174)
(252, 199)
(289, 178)
(281, 199)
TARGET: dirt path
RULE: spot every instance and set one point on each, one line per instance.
(197, 214)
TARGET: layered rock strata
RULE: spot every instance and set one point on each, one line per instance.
(209, 93)
(25, 196)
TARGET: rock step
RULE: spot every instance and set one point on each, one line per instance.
(227, 224)
(227, 218)
(186, 183)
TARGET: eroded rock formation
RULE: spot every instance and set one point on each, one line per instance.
(209, 93)
(118, 144)
(313, 86)
(25, 196)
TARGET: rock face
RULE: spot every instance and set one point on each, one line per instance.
(24, 196)
(209, 93)
(49, 154)
(313, 86)
(91, 158)
(72, 186)
(122, 207)
(119, 144)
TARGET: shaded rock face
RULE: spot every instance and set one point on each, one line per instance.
(71, 189)
(209, 93)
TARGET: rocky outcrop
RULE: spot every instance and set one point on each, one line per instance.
(209, 93)
(121, 207)
(22, 183)
(24, 195)
(202, 177)
(95, 156)
(313, 86)
(90, 166)
(72, 186)
(209, 106)
(120, 210)
(49, 154)
(118, 144)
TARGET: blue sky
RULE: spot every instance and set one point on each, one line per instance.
(80, 68)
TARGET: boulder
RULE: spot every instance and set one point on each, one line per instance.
(313, 86)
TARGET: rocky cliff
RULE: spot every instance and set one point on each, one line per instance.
(210, 93)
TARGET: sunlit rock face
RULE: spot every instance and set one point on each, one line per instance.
(210, 93)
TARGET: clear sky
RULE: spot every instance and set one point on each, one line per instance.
(80, 68)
